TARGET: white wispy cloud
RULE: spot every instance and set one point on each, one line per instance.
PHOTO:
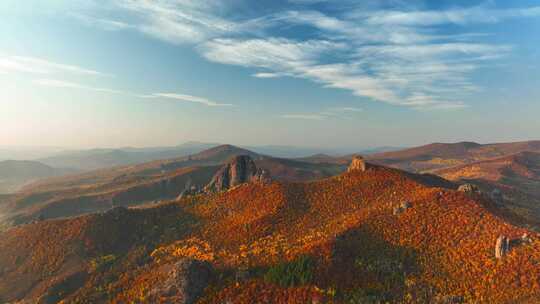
(394, 56)
(334, 112)
(278, 54)
(347, 109)
(181, 21)
(304, 116)
(103, 23)
(478, 14)
(62, 84)
(55, 83)
(389, 64)
(41, 66)
(190, 98)
(267, 75)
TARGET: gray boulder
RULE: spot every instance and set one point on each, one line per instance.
(502, 246)
(469, 188)
(185, 282)
(402, 207)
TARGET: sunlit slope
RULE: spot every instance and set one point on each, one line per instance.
(442, 245)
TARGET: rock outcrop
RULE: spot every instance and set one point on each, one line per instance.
(401, 208)
(502, 246)
(525, 239)
(184, 284)
(189, 189)
(241, 169)
(469, 188)
(357, 164)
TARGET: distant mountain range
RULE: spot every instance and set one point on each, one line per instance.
(443, 155)
(27, 153)
(144, 183)
(103, 158)
(132, 176)
(15, 173)
(53, 162)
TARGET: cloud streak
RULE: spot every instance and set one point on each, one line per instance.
(334, 112)
(190, 98)
(34, 65)
(62, 84)
(478, 14)
(400, 57)
(304, 116)
(55, 83)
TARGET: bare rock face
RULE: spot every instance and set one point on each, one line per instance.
(502, 246)
(403, 206)
(262, 176)
(241, 169)
(469, 188)
(357, 164)
(184, 284)
(525, 239)
(188, 191)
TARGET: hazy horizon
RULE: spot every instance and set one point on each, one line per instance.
(307, 73)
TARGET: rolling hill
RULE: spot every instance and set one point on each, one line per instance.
(516, 176)
(337, 240)
(144, 183)
(103, 158)
(16, 173)
(443, 155)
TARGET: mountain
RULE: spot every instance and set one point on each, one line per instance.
(380, 235)
(26, 153)
(16, 173)
(290, 151)
(443, 155)
(516, 176)
(145, 183)
(104, 158)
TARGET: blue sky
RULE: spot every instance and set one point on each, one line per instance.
(299, 72)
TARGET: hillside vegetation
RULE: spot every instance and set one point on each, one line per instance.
(144, 184)
(335, 240)
(516, 176)
(443, 155)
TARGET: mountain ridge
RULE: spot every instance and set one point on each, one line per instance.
(441, 246)
(145, 183)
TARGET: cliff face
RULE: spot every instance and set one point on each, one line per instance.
(240, 169)
(357, 164)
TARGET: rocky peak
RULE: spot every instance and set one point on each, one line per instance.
(357, 164)
(240, 169)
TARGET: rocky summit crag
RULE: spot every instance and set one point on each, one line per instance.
(240, 169)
